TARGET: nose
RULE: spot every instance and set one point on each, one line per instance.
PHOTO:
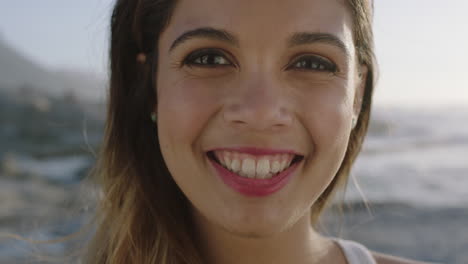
(260, 103)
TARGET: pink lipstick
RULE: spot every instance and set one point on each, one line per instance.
(252, 186)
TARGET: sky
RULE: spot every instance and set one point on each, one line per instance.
(421, 45)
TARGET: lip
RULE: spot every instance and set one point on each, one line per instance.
(259, 151)
(255, 187)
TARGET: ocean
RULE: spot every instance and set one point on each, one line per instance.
(417, 157)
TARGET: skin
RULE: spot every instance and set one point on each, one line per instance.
(255, 96)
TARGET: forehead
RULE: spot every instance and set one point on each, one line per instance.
(263, 19)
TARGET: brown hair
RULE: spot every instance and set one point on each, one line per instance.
(143, 215)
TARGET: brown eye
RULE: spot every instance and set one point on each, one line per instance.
(207, 58)
(314, 63)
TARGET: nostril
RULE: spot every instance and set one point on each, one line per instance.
(258, 114)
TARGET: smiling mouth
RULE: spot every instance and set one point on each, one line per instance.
(254, 167)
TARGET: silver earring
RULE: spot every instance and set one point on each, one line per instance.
(153, 117)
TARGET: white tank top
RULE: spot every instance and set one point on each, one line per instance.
(354, 252)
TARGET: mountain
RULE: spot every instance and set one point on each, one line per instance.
(17, 72)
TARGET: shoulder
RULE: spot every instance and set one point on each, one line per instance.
(387, 259)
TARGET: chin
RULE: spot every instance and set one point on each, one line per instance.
(255, 228)
(253, 232)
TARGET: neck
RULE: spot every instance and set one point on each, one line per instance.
(298, 244)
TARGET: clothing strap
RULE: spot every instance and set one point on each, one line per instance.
(355, 253)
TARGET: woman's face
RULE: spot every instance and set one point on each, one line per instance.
(247, 89)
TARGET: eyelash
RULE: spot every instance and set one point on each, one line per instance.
(203, 56)
(207, 58)
(314, 63)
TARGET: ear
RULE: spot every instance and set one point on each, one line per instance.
(360, 89)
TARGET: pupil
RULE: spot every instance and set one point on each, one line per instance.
(211, 59)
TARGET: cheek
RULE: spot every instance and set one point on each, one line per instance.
(326, 122)
(327, 113)
(183, 111)
(184, 108)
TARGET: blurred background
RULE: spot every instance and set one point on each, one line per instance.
(413, 171)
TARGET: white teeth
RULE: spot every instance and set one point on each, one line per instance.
(227, 160)
(283, 165)
(235, 166)
(248, 168)
(276, 166)
(263, 168)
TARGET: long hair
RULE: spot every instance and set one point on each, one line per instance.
(143, 216)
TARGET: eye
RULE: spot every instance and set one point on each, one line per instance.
(314, 63)
(207, 58)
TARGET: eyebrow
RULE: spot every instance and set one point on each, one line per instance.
(297, 39)
(304, 38)
(206, 32)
